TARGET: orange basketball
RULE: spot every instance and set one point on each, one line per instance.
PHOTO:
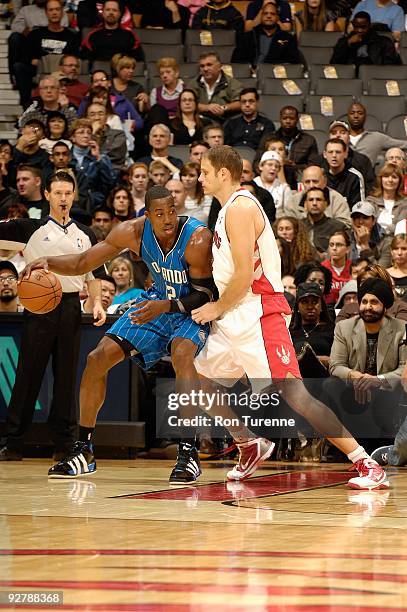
(41, 292)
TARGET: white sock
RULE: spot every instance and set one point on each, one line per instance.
(357, 454)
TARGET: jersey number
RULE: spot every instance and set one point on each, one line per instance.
(171, 293)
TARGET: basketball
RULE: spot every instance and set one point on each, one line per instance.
(41, 292)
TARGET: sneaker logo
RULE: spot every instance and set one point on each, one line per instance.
(284, 355)
(193, 468)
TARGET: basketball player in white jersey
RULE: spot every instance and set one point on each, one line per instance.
(249, 332)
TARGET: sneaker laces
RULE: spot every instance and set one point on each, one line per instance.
(77, 449)
(360, 464)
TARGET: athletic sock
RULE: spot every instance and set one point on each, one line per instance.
(357, 454)
(85, 433)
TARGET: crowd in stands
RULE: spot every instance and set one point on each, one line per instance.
(121, 123)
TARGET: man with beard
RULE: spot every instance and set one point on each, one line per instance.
(8, 287)
(366, 363)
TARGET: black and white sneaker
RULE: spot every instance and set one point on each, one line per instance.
(80, 462)
(381, 455)
(187, 469)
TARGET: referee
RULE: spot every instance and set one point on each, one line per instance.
(56, 333)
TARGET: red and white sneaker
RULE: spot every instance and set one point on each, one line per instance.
(251, 455)
(371, 475)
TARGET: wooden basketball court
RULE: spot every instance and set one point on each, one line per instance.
(293, 537)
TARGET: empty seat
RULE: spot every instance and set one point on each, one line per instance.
(397, 127)
(246, 152)
(330, 107)
(156, 52)
(320, 136)
(319, 39)
(219, 37)
(366, 73)
(337, 87)
(387, 87)
(280, 71)
(313, 121)
(403, 39)
(180, 151)
(316, 55)
(194, 52)
(384, 107)
(283, 87)
(48, 63)
(372, 123)
(271, 105)
(330, 71)
(152, 36)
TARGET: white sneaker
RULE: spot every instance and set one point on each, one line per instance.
(371, 475)
(251, 455)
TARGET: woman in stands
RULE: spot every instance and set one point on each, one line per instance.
(123, 68)
(166, 95)
(121, 202)
(294, 243)
(315, 17)
(138, 183)
(122, 271)
(197, 204)
(187, 124)
(398, 271)
(338, 263)
(388, 197)
(56, 130)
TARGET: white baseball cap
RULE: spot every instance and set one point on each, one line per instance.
(270, 156)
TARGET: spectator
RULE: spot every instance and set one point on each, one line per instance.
(386, 13)
(314, 272)
(218, 94)
(197, 204)
(314, 176)
(159, 139)
(354, 159)
(247, 171)
(315, 17)
(90, 14)
(27, 149)
(187, 124)
(364, 141)
(269, 166)
(119, 109)
(289, 286)
(138, 183)
(178, 192)
(253, 14)
(364, 45)
(29, 190)
(70, 66)
(121, 202)
(193, 6)
(59, 159)
(108, 291)
(287, 172)
(167, 94)
(123, 68)
(300, 146)
(56, 130)
(8, 198)
(160, 14)
(122, 271)
(267, 43)
(368, 348)
(218, 14)
(347, 295)
(341, 176)
(104, 41)
(90, 162)
(388, 197)
(196, 150)
(358, 266)
(159, 173)
(248, 128)
(319, 226)
(111, 142)
(398, 157)
(213, 135)
(368, 239)
(338, 263)
(300, 250)
(398, 270)
(102, 218)
(8, 287)
(48, 102)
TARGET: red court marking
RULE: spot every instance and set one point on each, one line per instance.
(263, 486)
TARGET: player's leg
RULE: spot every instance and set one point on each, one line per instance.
(92, 395)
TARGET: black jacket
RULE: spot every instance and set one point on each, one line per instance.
(356, 160)
(348, 183)
(283, 48)
(380, 50)
(301, 147)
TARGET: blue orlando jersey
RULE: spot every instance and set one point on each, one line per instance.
(169, 271)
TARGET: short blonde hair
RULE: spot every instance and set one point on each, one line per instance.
(167, 62)
(120, 61)
(117, 261)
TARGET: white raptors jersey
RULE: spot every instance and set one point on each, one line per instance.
(266, 257)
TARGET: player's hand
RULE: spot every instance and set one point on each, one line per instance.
(206, 313)
(147, 310)
(99, 315)
(37, 264)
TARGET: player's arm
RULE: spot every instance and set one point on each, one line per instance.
(199, 257)
(123, 236)
(240, 228)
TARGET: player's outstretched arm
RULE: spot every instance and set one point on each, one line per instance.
(240, 227)
(125, 235)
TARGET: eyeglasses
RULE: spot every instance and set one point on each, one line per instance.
(7, 279)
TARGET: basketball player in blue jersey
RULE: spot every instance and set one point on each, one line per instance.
(177, 251)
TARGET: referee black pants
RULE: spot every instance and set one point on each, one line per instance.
(55, 334)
